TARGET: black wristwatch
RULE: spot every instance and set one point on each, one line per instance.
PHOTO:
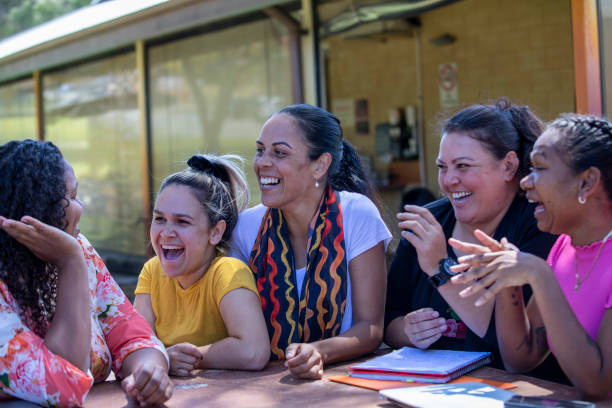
(444, 272)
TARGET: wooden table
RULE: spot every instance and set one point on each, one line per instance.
(275, 387)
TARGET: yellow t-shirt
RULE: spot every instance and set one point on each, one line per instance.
(192, 315)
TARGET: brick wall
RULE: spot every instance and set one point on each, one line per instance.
(519, 49)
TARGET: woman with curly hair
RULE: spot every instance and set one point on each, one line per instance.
(65, 322)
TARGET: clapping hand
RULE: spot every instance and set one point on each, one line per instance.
(491, 266)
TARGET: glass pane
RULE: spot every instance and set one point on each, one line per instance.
(213, 92)
(91, 113)
(605, 7)
(17, 16)
(17, 111)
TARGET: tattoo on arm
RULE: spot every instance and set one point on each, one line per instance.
(540, 337)
(515, 296)
(540, 340)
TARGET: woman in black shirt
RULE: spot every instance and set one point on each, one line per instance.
(484, 152)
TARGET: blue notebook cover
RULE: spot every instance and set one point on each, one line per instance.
(462, 395)
(410, 360)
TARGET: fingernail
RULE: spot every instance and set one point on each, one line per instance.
(479, 302)
(465, 292)
(441, 321)
(436, 314)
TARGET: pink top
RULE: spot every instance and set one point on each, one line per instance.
(594, 296)
(30, 371)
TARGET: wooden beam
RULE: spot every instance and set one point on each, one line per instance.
(38, 106)
(144, 130)
(587, 68)
(295, 51)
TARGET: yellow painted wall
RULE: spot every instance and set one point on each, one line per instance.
(518, 49)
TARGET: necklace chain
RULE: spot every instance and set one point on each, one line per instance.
(580, 281)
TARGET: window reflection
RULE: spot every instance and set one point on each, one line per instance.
(91, 113)
(17, 112)
(213, 92)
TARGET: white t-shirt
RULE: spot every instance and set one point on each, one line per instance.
(363, 229)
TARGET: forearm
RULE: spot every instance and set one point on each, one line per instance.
(395, 336)
(522, 345)
(363, 338)
(69, 334)
(476, 318)
(580, 357)
(235, 353)
(144, 355)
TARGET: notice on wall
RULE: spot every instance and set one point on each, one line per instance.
(447, 83)
(344, 109)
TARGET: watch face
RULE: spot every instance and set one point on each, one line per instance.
(446, 264)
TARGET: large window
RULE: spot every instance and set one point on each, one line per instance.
(213, 92)
(91, 113)
(17, 116)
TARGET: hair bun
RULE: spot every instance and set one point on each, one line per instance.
(200, 162)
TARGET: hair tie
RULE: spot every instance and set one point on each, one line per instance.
(201, 163)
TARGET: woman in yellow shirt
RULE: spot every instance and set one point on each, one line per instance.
(204, 306)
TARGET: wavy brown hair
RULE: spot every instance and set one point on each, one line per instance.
(32, 182)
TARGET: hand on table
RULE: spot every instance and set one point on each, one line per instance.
(492, 267)
(424, 327)
(47, 243)
(184, 358)
(304, 360)
(148, 384)
(425, 233)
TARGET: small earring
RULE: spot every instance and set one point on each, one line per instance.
(316, 183)
(581, 200)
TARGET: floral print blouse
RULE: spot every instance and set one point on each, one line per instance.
(29, 371)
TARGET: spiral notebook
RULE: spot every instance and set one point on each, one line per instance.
(429, 366)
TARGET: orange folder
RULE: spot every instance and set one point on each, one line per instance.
(378, 385)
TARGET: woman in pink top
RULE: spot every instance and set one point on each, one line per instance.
(570, 312)
(64, 322)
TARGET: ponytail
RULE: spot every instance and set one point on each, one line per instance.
(323, 134)
(350, 175)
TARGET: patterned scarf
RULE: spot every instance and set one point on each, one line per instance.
(323, 298)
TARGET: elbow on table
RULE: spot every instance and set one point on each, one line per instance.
(256, 357)
(593, 390)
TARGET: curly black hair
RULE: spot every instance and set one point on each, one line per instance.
(32, 182)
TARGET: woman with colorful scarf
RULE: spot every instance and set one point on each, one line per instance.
(316, 244)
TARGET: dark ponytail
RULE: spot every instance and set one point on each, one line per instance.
(501, 128)
(323, 134)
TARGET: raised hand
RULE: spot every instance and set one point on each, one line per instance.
(425, 233)
(48, 243)
(424, 327)
(492, 267)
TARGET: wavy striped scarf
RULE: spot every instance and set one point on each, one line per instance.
(323, 299)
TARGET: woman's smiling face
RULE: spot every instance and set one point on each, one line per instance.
(553, 185)
(181, 236)
(478, 185)
(282, 165)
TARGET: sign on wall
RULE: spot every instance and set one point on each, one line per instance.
(447, 83)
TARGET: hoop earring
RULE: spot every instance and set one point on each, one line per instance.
(582, 200)
(316, 183)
